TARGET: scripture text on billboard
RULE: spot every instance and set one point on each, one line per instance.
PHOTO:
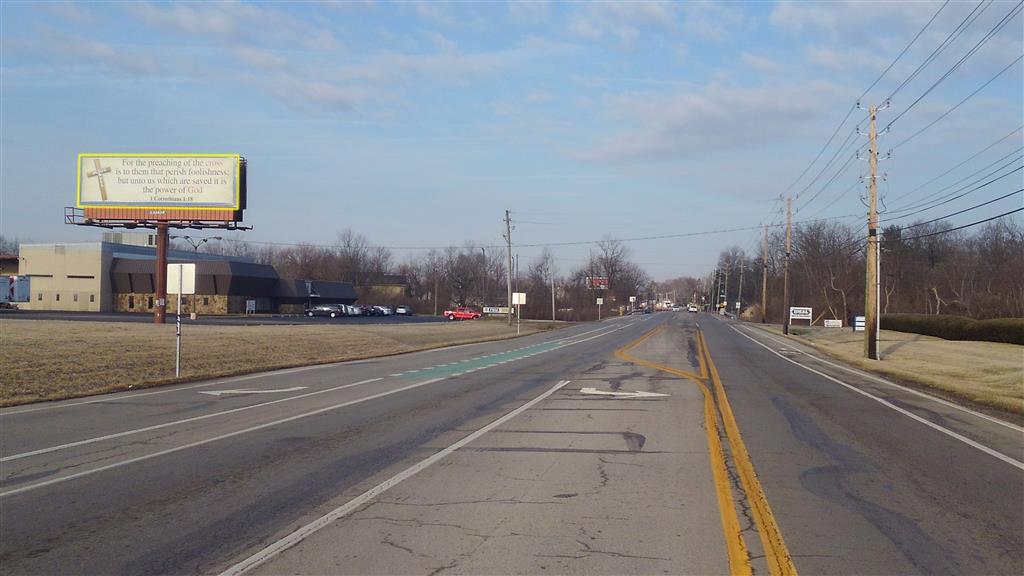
(172, 181)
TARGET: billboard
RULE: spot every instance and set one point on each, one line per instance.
(597, 282)
(161, 186)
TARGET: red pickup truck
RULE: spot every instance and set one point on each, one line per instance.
(462, 313)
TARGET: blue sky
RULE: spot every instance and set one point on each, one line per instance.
(418, 124)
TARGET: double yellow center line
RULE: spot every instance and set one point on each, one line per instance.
(776, 554)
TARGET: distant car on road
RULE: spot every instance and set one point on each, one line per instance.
(332, 310)
(676, 308)
(462, 313)
(403, 310)
(691, 308)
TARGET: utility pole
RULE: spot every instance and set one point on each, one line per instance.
(508, 239)
(764, 276)
(871, 253)
(785, 273)
(483, 297)
(739, 295)
(552, 294)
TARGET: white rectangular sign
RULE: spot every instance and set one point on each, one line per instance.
(495, 309)
(600, 301)
(159, 181)
(186, 273)
(833, 323)
(858, 323)
(799, 313)
(632, 298)
(519, 298)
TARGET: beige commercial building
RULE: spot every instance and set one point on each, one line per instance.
(110, 276)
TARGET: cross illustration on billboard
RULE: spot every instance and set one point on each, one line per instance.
(98, 173)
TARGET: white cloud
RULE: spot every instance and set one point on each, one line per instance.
(715, 117)
(539, 96)
(622, 21)
(762, 64)
(235, 23)
(714, 21)
(81, 51)
(529, 11)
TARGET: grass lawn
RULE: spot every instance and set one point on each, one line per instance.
(986, 373)
(51, 360)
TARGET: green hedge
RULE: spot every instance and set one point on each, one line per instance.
(1009, 330)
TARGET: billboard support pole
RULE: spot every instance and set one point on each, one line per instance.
(177, 345)
(160, 306)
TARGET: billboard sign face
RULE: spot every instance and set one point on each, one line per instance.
(833, 323)
(159, 181)
(519, 298)
(597, 282)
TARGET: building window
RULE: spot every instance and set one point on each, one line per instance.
(131, 302)
(206, 300)
(58, 296)
(149, 302)
(92, 297)
(76, 297)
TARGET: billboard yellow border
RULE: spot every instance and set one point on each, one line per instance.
(238, 179)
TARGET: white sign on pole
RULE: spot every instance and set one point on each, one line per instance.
(183, 275)
(519, 298)
(858, 323)
(833, 323)
(632, 298)
(737, 305)
(600, 301)
(799, 313)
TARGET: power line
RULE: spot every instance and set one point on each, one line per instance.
(953, 35)
(957, 213)
(904, 51)
(969, 96)
(920, 207)
(972, 157)
(988, 36)
(964, 226)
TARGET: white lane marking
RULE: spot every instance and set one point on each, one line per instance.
(203, 417)
(179, 422)
(637, 394)
(880, 380)
(278, 391)
(266, 554)
(120, 396)
(973, 444)
(215, 438)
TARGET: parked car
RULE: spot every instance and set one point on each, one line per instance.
(403, 310)
(332, 310)
(354, 310)
(385, 310)
(462, 313)
(373, 311)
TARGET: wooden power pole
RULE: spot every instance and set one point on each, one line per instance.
(764, 276)
(871, 250)
(785, 268)
(508, 239)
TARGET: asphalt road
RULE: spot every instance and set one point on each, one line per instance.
(628, 446)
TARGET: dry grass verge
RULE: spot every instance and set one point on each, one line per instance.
(986, 373)
(52, 360)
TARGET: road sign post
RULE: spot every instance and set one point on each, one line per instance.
(518, 299)
(600, 301)
(182, 279)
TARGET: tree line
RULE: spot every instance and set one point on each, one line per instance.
(467, 275)
(926, 268)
